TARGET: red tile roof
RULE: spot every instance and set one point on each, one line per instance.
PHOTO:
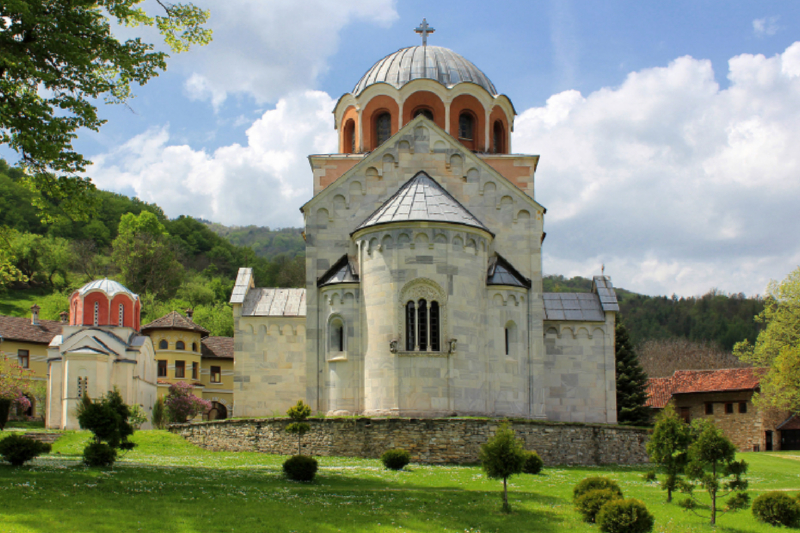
(174, 320)
(660, 390)
(15, 328)
(793, 422)
(220, 347)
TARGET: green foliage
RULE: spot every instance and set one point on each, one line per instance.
(533, 463)
(99, 454)
(395, 459)
(778, 346)
(668, 447)
(625, 516)
(108, 420)
(589, 503)
(159, 414)
(264, 241)
(595, 483)
(298, 413)
(18, 450)
(777, 508)
(137, 417)
(631, 382)
(300, 468)
(650, 475)
(503, 456)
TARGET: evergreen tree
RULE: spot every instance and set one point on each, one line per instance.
(631, 382)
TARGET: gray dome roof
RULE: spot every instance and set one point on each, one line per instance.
(432, 62)
(108, 286)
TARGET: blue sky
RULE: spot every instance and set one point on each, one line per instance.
(667, 130)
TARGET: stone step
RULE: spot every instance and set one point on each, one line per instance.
(48, 438)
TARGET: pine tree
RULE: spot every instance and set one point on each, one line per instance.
(631, 382)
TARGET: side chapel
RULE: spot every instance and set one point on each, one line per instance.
(423, 292)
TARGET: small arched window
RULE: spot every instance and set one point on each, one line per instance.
(423, 326)
(424, 111)
(466, 125)
(96, 313)
(194, 346)
(349, 137)
(121, 315)
(336, 335)
(162, 344)
(383, 128)
(498, 138)
(510, 338)
(180, 345)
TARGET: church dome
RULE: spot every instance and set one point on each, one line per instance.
(108, 286)
(424, 62)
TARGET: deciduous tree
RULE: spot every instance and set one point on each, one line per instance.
(668, 447)
(503, 456)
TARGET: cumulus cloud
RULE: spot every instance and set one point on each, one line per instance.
(262, 183)
(767, 26)
(672, 182)
(269, 49)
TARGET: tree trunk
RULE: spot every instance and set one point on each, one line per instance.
(298, 444)
(505, 494)
(713, 494)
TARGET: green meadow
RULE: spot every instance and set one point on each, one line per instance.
(169, 485)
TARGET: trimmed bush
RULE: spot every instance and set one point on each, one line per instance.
(300, 468)
(650, 475)
(99, 454)
(777, 508)
(595, 483)
(589, 503)
(533, 463)
(625, 516)
(395, 459)
(18, 450)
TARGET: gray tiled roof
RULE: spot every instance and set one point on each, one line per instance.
(422, 199)
(605, 290)
(502, 273)
(274, 302)
(431, 62)
(343, 271)
(581, 307)
(244, 280)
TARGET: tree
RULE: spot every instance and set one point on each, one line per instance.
(668, 447)
(143, 255)
(631, 382)
(711, 460)
(182, 405)
(503, 456)
(777, 348)
(108, 420)
(298, 413)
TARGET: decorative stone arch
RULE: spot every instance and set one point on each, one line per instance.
(430, 291)
(387, 243)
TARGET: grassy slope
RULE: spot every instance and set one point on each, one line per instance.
(169, 485)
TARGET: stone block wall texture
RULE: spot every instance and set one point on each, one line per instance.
(432, 441)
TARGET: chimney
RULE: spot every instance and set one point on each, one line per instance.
(189, 313)
(35, 315)
(64, 317)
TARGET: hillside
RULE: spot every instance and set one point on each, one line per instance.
(263, 241)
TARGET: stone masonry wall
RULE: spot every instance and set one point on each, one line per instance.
(434, 441)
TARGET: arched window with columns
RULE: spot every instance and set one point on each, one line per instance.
(423, 325)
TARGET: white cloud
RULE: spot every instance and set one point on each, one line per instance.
(766, 26)
(263, 183)
(269, 49)
(675, 184)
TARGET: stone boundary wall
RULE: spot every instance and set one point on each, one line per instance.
(434, 441)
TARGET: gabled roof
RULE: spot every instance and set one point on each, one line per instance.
(601, 285)
(660, 390)
(14, 328)
(219, 347)
(502, 273)
(175, 320)
(342, 271)
(572, 306)
(421, 199)
(275, 302)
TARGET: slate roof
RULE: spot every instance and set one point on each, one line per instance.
(219, 347)
(108, 286)
(274, 302)
(431, 62)
(244, 282)
(343, 271)
(601, 285)
(14, 328)
(501, 272)
(175, 320)
(580, 307)
(422, 199)
(660, 390)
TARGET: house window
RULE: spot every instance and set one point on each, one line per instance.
(424, 111)
(162, 368)
(336, 334)
(466, 125)
(686, 414)
(24, 358)
(423, 325)
(163, 344)
(742, 407)
(709, 408)
(383, 128)
(194, 346)
(121, 315)
(180, 369)
(96, 312)
(728, 408)
(194, 370)
(216, 374)
(180, 345)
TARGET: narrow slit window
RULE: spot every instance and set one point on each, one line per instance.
(194, 370)
(410, 326)
(507, 344)
(435, 341)
(121, 315)
(422, 319)
(96, 313)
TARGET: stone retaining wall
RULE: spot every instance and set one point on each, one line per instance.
(429, 441)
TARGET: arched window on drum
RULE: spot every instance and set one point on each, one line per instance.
(423, 326)
(383, 128)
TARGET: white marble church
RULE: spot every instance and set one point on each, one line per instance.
(423, 292)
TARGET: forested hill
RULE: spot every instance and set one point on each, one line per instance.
(263, 241)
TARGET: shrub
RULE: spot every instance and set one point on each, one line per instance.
(777, 508)
(18, 450)
(159, 414)
(137, 417)
(99, 454)
(182, 405)
(595, 483)
(395, 459)
(625, 516)
(589, 503)
(650, 475)
(533, 463)
(300, 468)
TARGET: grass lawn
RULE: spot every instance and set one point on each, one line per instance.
(169, 485)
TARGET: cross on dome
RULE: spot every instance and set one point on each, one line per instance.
(424, 29)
